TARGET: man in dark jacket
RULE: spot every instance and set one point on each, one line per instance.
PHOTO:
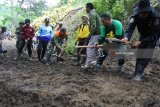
(27, 35)
(147, 22)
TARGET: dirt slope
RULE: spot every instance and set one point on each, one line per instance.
(26, 83)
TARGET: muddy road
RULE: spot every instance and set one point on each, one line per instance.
(26, 83)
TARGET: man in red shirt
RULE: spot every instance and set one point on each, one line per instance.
(27, 35)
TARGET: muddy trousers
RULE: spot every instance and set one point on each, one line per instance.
(1, 48)
(92, 53)
(18, 42)
(50, 51)
(80, 51)
(103, 56)
(144, 56)
(42, 48)
(29, 47)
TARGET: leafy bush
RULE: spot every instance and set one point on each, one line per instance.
(117, 8)
(70, 44)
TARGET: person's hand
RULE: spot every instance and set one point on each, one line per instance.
(9, 39)
(65, 45)
(28, 39)
(107, 41)
(95, 45)
(61, 49)
(100, 50)
(37, 41)
(136, 44)
(125, 40)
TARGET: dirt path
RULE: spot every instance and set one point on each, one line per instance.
(32, 84)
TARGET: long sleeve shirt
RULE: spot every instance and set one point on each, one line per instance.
(148, 28)
(82, 32)
(27, 32)
(94, 23)
(113, 31)
(5, 35)
(18, 32)
(58, 40)
(45, 33)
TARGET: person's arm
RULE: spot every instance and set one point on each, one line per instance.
(55, 40)
(39, 31)
(77, 34)
(131, 28)
(23, 32)
(9, 34)
(51, 32)
(17, 31)
(102, 36)
(33, 33)
(118, 30)
(66, 40)
(93, 25)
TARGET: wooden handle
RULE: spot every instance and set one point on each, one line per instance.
(118, 40)
(90, 46)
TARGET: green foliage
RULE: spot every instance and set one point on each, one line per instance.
(117, 8)
(100, 6)
(4, 21)
(70, 44)
(11, 15)
(63, 2)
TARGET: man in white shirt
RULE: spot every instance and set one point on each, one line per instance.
(3, 35)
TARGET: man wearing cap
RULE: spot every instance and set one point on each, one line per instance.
(95, 30)
(59, 40)
(82, 34)
(18, 34)
(27, 35)
(147, 22)
(44, 35)
(111, 29)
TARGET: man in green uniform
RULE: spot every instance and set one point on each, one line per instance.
(58, 39)
(110, 29)
(95, 30)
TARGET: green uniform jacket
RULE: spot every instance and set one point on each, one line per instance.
(113, 31)
(58, 41)
(94, 23)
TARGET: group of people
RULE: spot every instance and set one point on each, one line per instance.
(144, 17)
(92, 32)
(46, 39)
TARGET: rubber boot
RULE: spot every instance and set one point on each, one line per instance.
(138, 72)
(60, 59)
